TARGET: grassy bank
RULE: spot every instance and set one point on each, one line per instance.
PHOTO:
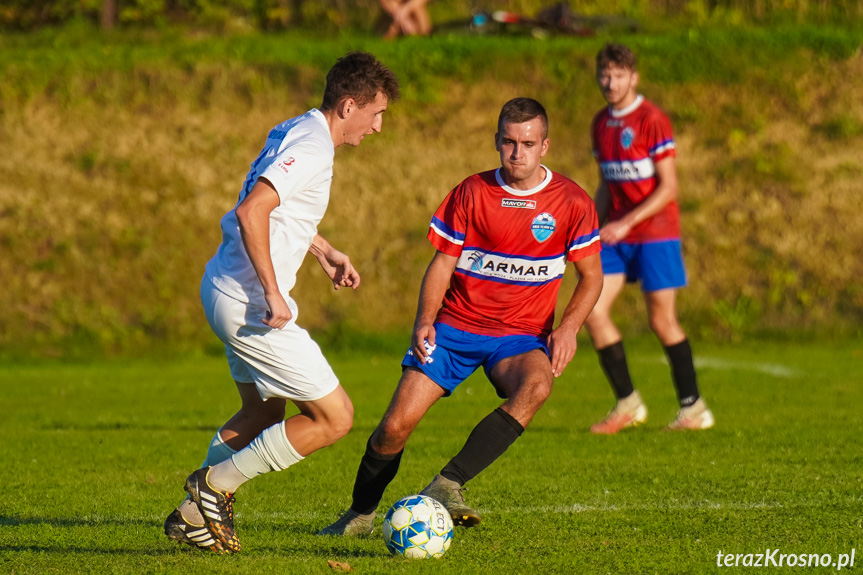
(120, 154)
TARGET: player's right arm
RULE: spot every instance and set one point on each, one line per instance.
(602, 200)
(253, 216)
(664, 193)
(434, 286)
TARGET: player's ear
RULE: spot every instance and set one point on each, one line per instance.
(544, 149)
(634, 79)
(347, 107)
(497, 141)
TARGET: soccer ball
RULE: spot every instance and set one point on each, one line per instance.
(417, 527)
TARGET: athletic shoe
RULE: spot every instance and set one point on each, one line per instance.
(216, 506)
(180, 530)
(448, 494)
(696, 416)
(350, 524)
(627, 412)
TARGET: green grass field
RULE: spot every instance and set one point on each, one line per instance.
(94, 457)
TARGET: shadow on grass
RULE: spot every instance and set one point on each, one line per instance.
(86, 550)
(324, 552)
(121, 426)
(14, 521)
(325, 547)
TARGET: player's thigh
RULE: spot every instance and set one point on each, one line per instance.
(524, 377)
(287, 363)
(273, 409)
(334, 407)
(284, 363)
(413, 397)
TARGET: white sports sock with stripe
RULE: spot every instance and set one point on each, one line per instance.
(270, 451)
(216, 453)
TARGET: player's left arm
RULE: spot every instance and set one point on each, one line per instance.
(664, 194)
(562, 342)
(336, 265)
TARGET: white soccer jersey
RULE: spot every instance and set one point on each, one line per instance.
(298, 160)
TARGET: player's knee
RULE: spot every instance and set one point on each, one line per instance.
(596, 322)
(343, 422)
(390, 436)
(338, 425)
(533, 393)
(342, 427)
(662, 325)
(542, 389)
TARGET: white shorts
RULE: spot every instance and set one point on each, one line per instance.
(283, 363)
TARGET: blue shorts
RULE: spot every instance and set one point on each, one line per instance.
(457, 354)
(658, 265)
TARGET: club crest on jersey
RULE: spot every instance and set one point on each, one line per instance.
(286, 164)
(627, 136)
(513, 203)
(542, 226)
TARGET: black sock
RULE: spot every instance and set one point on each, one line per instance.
(488, 440)
(375, 473)
(683, 372)
(613, 362)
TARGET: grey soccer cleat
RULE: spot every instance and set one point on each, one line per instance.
(448, 494)
(350, 524)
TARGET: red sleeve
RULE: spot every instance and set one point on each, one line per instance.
(449, 223)
(660, 137)
(583, 237)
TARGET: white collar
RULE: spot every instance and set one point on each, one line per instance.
(627, 110)
(319, 116)
(513, 191)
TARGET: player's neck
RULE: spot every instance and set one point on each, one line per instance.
(627, 101)
(334, 123)
(529, 183)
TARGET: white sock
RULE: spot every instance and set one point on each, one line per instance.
(270, 451)
(216, 453)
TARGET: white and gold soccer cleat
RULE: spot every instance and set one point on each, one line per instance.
(696, 416)
(627, 412)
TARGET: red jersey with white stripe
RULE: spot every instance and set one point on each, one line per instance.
(627, 144)
(512, 248)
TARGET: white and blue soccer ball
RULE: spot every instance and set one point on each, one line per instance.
(417, 527)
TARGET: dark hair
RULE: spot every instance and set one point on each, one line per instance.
(618, 55)
(519, 110)
(358, 75)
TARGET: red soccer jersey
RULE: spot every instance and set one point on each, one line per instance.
(627, 143)
(512, 247)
